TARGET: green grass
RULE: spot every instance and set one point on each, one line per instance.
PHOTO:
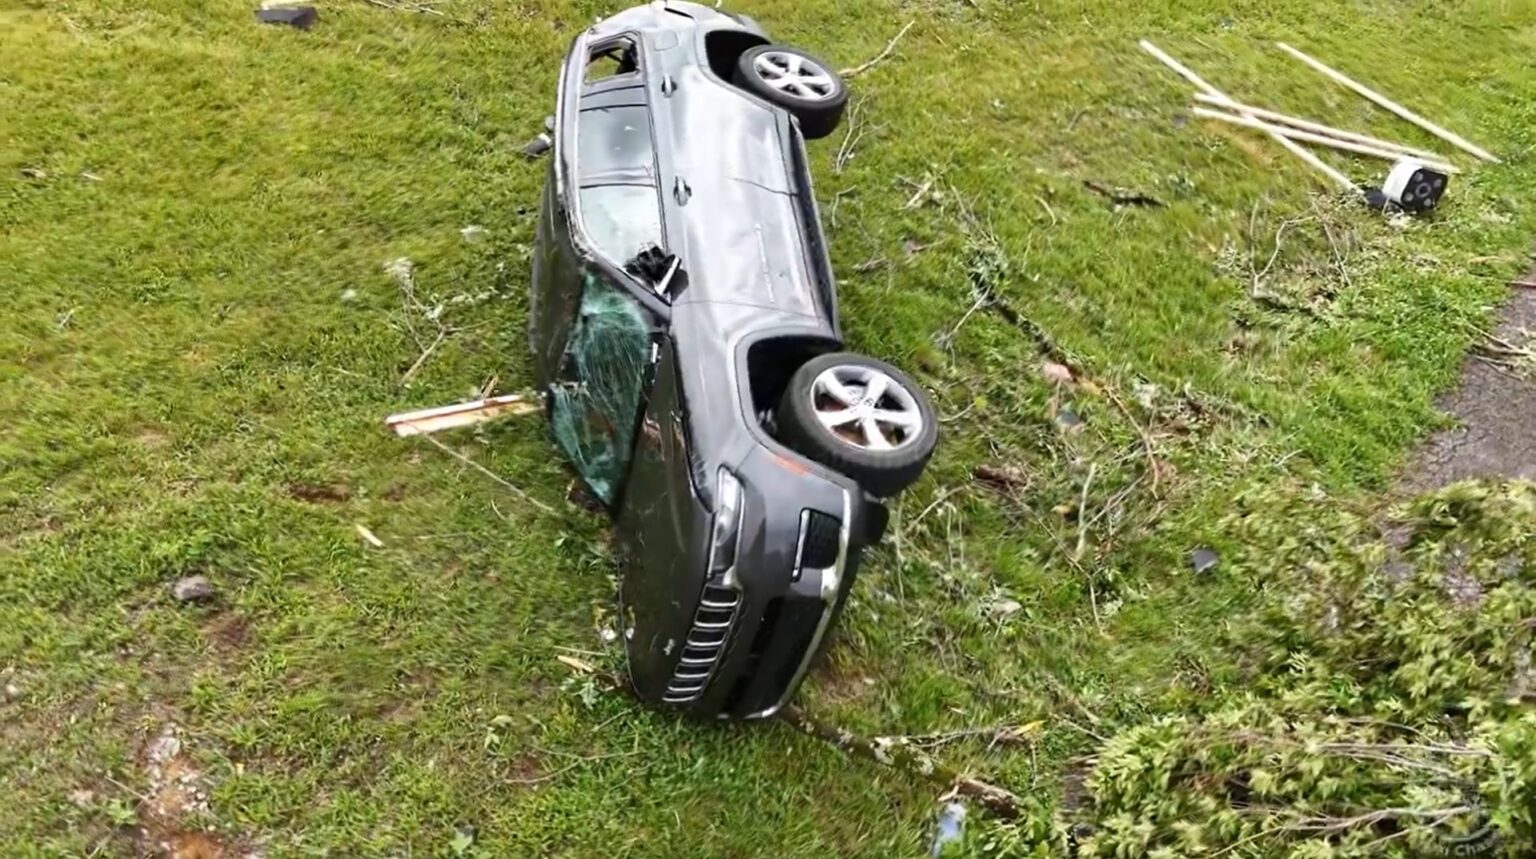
(199, 331)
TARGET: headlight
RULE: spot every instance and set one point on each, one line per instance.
(727, 524)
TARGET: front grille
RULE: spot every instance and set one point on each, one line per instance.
(704, 644)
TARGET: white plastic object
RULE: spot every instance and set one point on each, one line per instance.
(1415, 186)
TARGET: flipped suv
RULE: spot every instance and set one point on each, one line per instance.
(684, 329)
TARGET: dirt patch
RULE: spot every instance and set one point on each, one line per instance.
(152, 439)
(837, 681)
(228, 631)
(526, 768)
(1495, 409)
(177, 794)
(314, 493)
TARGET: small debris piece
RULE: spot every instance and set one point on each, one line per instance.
(348, 296)
(301, 17)
(950, 828)
(1123, 198)
(368, 536)
(537, 146)
(1204, 559)
(473, 233)
(34, 172)
(82, 798)
(193, 589)
(1006, 608)
(1060, 374)
(581, 665)
(1069, 421)
(12, 691)
(1004, 477)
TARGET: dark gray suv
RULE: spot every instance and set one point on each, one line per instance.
(684, 328)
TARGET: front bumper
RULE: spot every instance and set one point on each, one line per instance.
(759, 624)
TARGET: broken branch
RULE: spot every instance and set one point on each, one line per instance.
(1146, 437)
(1123, 199)
(851, 139)
(897, 753)
(879, 58)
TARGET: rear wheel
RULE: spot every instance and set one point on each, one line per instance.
(796, 81)
(861, 417)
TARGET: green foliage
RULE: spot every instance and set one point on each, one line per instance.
(1390, 711)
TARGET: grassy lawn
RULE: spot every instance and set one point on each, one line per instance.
(200, 341)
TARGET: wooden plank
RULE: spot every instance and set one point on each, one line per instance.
(1320, 139)
(1312, 160)
(426, 421)
(1317, 127)
(1382, 101)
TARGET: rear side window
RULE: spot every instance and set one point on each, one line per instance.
(614, 139)
(611, 60)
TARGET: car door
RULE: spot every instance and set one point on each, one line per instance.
(607, 184)
(658, 532)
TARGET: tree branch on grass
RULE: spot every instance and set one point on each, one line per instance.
(1146, 438)
(407, 6)
(898, 753)
(857, 129)
(879, 58)
(895, 752)
(403, 271)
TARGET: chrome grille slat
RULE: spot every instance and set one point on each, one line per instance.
(704, 644)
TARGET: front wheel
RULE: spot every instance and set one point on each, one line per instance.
(797, 82)
(861, 417)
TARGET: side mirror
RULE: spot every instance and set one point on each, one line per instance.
(660, 269)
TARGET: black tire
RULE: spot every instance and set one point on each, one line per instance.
(848, 449)
(818, 107)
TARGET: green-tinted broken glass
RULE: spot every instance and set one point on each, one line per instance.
(595, 409)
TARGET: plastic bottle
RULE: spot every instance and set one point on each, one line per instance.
(950, 827)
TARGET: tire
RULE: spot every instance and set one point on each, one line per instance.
(900, 416)
(806, 86)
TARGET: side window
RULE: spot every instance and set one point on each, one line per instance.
(597, 401)
(611, 60)
(616, 200)
(615, 139)
(621, 219)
